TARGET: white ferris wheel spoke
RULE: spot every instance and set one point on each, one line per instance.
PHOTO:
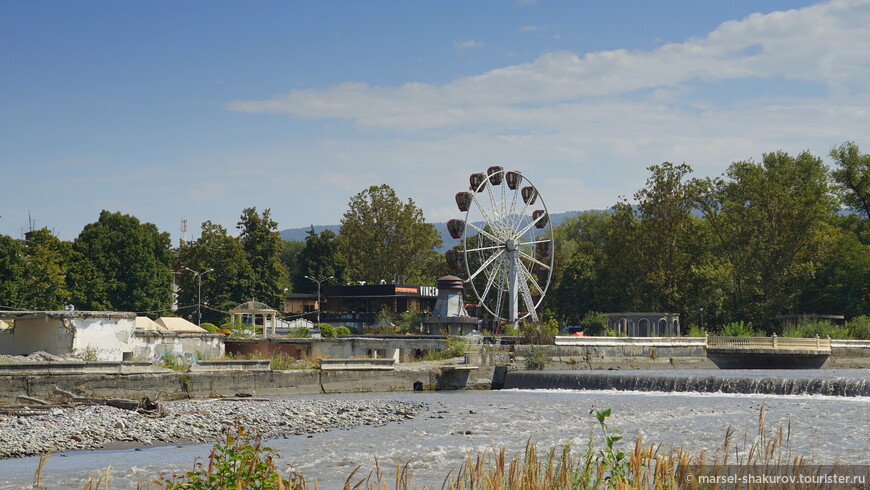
(486, 217)
(484, 232)
(493, 247)
(494, 207)
(518, 219)
(529, 257)
(530, 225)
(533, 242)
(492, 279)
(483, 266)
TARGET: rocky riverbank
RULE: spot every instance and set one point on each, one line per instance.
(189, 421)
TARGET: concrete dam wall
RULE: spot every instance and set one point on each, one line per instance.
(699, 384)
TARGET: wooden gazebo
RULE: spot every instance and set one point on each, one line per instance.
(255, 308)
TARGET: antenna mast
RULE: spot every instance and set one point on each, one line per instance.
(184, 230)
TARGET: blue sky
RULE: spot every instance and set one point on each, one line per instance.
(200, 109)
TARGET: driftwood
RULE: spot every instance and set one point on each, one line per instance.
(145, 405)
(65, 399)
(35, 401)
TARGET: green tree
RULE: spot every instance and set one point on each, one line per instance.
(12, 267)
(769, 221)
(263, 247)
(130, 259)
(227, 285)
(578, 268)
(320, 258)
(666, 238)
(852, 176)
(622, 291)
(656, 254)
(44, 271)
(578, 286)
(383, 238)
(841, 283)
(291, 253)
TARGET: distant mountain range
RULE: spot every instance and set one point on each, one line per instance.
(299, 234)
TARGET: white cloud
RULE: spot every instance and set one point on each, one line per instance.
(530, 28)
(462, 46)
(590, 124)
(825, 44)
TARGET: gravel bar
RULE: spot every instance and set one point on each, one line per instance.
(190, 421)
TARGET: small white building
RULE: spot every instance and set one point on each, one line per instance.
(103, 335)
(99, 334)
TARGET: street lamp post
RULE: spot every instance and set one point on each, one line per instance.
(198, 276)
(702, 319)
(318, 281)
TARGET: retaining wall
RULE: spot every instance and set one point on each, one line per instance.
(170, 385)
(622, 355)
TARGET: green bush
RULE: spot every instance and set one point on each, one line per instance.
(859, 327)
(173, 361)
(327, 331)
(409, 322)
(300, 333)
(240, 461)
(455, 348)
(88, 354)
(539, 333)
(695, 331)
(239, 329)
(537, 358)
(594, 323)
(209, 327)
(739, 329)
(282, 362)
(510, 330)
(342, 331)
(811, 328)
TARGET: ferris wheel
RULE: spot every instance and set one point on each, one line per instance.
(507, 243)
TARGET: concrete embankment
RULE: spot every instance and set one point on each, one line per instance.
(172, 385)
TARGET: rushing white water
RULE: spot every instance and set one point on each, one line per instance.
(824, 428)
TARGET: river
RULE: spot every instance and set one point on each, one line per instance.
(824, 428)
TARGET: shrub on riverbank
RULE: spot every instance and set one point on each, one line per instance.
(859, 327)
(240, 461)
(537, 358)
(740, 329)
(455, 348)
(823, 329)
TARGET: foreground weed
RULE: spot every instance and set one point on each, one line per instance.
(239, 462)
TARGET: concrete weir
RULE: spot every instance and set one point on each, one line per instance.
(702, 384)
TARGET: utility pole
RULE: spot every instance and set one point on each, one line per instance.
(318, 281)
(198, 276)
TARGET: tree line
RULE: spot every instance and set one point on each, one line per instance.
(120, 264)
(764, 238)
